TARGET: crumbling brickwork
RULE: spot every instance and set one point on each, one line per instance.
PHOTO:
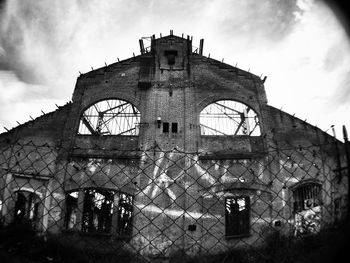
(180, 180)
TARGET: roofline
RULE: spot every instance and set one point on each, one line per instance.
(190, 38)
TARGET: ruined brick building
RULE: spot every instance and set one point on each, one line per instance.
(171, 150)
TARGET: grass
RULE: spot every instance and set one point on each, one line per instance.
(327, 246)
(19, 243)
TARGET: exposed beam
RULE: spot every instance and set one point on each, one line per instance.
(88, 125)
(240, 125)
(213, 129)
(227, 107)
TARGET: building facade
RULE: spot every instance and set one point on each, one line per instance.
(171, 150)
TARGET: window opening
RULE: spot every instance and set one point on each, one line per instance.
(26, 207)
(165, 127)
(228, 117)
(125, 210)
(110, 117)
(101, 208)
(307, 197)
(71, 210)
(237, 216)
(307, 209)
(97, 211)
(170, 54)
(174, 127)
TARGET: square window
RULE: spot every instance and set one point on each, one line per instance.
(170, 54)
(192, 228)
(237, 215)
(174, 127)
(306, 197)
(165, 127)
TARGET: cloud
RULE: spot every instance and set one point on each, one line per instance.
(342, 94)
(299, 44)
(18, 100)
(270, 20)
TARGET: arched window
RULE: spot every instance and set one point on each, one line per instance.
(229, 117)
(101, 210)
(110, 117)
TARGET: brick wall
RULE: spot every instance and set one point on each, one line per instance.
(177, 94)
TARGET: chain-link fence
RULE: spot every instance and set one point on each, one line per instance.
(156, 204)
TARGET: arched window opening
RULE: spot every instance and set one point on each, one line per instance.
(228, 117)
(26, 207)
(101, 211)
(307, 208)
(110, 117)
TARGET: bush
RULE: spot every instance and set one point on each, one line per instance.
(324, 247)
(22, 243)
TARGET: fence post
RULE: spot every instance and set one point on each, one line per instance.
(347, 153)
(6, 199)
(47, 205)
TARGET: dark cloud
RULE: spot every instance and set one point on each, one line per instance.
(37, 36)
(2, 4)
(11, 43)
(32, 38)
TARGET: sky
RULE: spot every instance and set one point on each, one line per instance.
(300, 45)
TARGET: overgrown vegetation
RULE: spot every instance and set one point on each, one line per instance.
(327, 246)
(19, 243)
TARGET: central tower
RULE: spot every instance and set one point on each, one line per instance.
(165, 74)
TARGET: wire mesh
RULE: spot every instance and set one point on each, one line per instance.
(156, 204)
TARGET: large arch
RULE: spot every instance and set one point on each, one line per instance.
(229, 117)
(110, 117)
